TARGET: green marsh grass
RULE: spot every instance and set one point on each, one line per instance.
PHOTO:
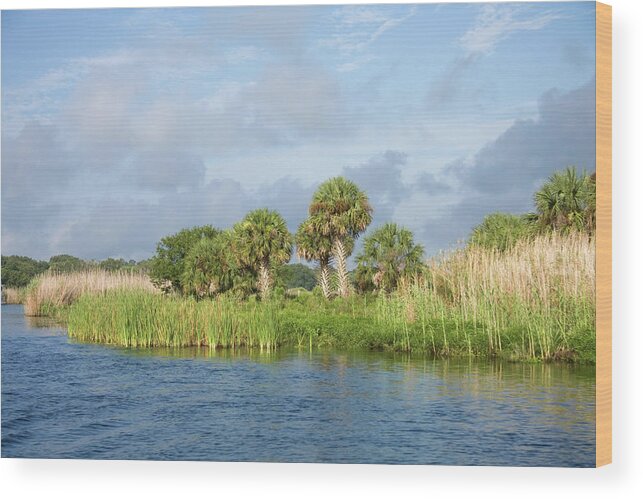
(134, 318)
(533, 302)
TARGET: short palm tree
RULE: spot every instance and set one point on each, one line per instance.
(209, 267)
(501, 231)
(262, 241)
(392, 254)
(312, 246)
(340, 211)
(567, 200)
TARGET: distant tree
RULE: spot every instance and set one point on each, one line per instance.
(210, 266)
(113, 264)
(67, 263)
(143, 266)
(18, 271)
(262, 242)
(296, 275)
(390, 253)
(166, 267)
(340, 211)
(567, 201)
(501, 231)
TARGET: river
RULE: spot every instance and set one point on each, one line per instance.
(62, 399)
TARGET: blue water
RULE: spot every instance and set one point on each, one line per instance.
(62, 399)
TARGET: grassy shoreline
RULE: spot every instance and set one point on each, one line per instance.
(138, 319)
(13, 296)
(535, 302)
(51, 294)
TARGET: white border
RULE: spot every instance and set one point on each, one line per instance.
(114, 479)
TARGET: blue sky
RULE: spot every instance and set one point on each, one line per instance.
(120, 126)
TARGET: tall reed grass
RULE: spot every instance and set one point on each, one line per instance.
(51, 293)
(536, 300)
(13, 296)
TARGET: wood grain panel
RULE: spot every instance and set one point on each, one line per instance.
(603, 234)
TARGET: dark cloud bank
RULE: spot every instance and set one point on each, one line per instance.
(505, 173)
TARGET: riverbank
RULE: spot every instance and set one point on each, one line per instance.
(139, 319)
(534, 302)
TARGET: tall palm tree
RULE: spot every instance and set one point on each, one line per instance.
(392, 254)
(340, 211)
(312, 246)
(567, 200)
(262, 241)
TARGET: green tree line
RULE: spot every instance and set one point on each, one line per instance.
(252, 257)
(18, 271)
(248, 258)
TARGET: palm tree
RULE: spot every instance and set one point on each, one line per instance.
(312, 246)
(392, 254)
(567, 200)
(339, 212)
(262, 241)
(209, 267)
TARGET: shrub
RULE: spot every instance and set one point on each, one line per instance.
(501, 231)
(168, 264)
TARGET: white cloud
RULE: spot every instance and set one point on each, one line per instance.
(123, 148)
(356, 15)
(357, 28)
(497, 22)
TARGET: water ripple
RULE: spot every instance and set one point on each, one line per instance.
(62, 399)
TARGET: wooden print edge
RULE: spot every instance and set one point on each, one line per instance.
(603, 234)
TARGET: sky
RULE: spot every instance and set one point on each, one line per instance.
(121, 126)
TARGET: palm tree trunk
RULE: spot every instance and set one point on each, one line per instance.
(324, 278)
(265, 281)
(339, 252)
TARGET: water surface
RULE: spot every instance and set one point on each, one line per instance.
(62, 399)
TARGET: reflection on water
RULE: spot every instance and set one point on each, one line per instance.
(44, 323)
(66, 399)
